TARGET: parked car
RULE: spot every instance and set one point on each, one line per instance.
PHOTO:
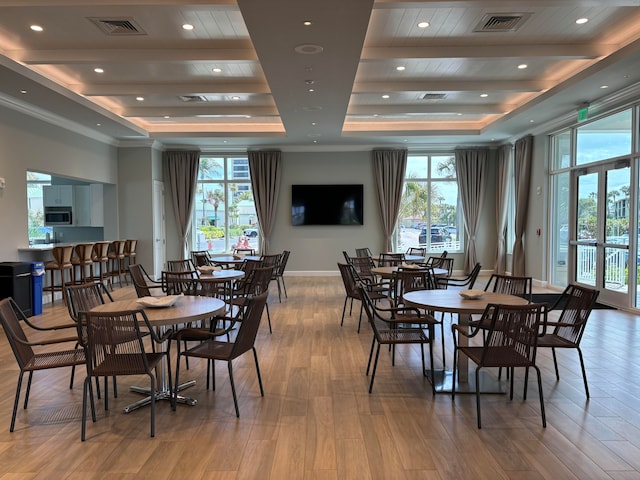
(437, 235)
(251, 232)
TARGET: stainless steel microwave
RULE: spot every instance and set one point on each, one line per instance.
(57, 216)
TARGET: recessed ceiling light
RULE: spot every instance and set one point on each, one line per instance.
(313, 124)
(307, 23)
(459, 114)
(484, 95)
(582, 21)
(522, 66)
(23, 92)
(98, 124)
(309, 82)
(385, 96)
(36, 28)
(532, 121)
(140, 99)
(423, 24)
(235, 97)
(604, 86)
(311, 90)
(187, 26)
(167, 116)
(405, 140)
(376, 114)
(98, 70)
(224, 141)
(400, 68)
(217, 70)
(315, 141)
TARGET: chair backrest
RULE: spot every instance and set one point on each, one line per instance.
(509, 284)
(244, 251)
(62, 255)
(411, 279)
(284, 258)
(139, 277)
(246, 336)
(576, 303)
(270, 260)
(363, 252)
(391, 259)
(350, 286)
(116, 249)
(201, 258)
(82, 298)
(175, 283)
(100, 251)
(362, 266)
(473, 276)
(442, 262)
(10, 316)
(419, 251)
(513, 330)
(130, 248)
(84, 253)
(258, 281)
(115, 343)
(184, 265)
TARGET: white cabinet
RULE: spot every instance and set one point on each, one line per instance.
(88, 207)
(57, 195)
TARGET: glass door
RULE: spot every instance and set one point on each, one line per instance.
(600, 248)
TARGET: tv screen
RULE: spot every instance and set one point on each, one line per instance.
(326, 205)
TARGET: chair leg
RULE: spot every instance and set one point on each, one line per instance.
(255, 357)
(15, 402)
(266, 306)
(284, 287)
(28, 391)
(453, 374)
(152, 380)
(344, 309)
(584, 373)
(375, 366)
(478, 396)
(85, 392)
(233, 388)
(373, 344)
(360, 317)
(542, 412)
(555, 363)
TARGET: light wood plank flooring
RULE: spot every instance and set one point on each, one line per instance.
(317, 420)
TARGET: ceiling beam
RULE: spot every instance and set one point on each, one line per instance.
(453, 86)
(107, 90)
(439, 108)
(193, 110)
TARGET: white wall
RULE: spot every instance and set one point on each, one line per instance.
(29, 144)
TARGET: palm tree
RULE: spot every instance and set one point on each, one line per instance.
(214, 197)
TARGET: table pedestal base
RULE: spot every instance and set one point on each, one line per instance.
(443, 382)
(164, 394)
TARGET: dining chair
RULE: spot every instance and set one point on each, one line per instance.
(182, 265)
(363, 266)
(363, 252)
(82, 259)
(396, 326)
(575, 305)
(417, 251)
(145, 285)
(61, 263)
(81, 299)
(116, 347)
(214, 349)
(176, 282)
(201, 258)
(244, 251)
(511, 342)
(116, 262)
(48, 356)
(467, 282)
(350, 279)
(256, 283)
(279, 273)
(391, 259)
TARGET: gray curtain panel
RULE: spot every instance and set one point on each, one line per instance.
(503, 190)
(523, 155)
(389, 168)
(182, 172)
(471, 166)
(265, 170)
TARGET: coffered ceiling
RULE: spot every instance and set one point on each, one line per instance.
(361, 73)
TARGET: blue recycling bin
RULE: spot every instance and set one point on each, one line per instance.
(37, 275)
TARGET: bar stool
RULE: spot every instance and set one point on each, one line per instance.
(82, 259)
(129, 255)
(100, 258)
(61, 263)
(116, 262)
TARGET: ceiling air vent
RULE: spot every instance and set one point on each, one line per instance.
(501, 22)
(434, 96)
(193, 98)
(118, 26)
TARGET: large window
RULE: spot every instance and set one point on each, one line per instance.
(224, 215)
(429, 208)
(35, 207)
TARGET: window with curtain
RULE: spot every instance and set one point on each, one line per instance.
(224, 214)
(429, 211)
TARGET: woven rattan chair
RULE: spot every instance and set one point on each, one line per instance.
(255, 283)
(391, 259)
(23, 349)
(466, 282)
(145, 286)
(397, 326)
(116, 347)
(350, 279)
(244, 341)
(279, 273)
(418, 251)
(511, 342)
(575, 305)
(184, 265)
(180, 282)
(201, 258)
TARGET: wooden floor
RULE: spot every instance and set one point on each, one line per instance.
(317, 421)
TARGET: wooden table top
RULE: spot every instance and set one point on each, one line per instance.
(451, 301)
(221, 276)
(229, 259)
(387, 272)
(187, 308)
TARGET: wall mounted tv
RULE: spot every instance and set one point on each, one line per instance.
(326, 205)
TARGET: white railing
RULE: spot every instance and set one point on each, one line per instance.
(615, 266)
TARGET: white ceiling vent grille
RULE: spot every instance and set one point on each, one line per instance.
(501, 22)
(118, 26)
(434, 96)
(193, 98)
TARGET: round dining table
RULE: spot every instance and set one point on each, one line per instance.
(233, 260)
(387, 272)
(210, 281)
(187, 308)
(451, 301)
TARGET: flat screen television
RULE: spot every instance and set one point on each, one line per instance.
(327, 204)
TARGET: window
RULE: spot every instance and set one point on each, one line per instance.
(35, 207)
(429, 207)
(224, 213)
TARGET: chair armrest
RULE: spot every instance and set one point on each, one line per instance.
(457, 329)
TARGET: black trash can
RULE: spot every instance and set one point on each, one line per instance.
(15, 282)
